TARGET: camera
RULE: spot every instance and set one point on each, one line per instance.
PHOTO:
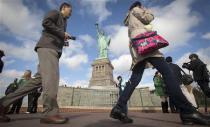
(72, 38)
(66, 43)
(185, 65)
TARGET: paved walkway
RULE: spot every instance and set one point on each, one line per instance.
(87, 119)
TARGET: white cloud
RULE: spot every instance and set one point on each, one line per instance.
(80, 83)
(97, 8)
(63, 81)
(87, 39)
(52, 4)
(119, 39)
(122, 64)
(206, 36)
(8, 61)
(149, 84)
(12, 73)
(149, 72)
(22, 52)
(205, 56)
(89, 74)
(74, 56)
(73, 62)
(175, 22)
(19, 20)
(183, 59)
(77, 83)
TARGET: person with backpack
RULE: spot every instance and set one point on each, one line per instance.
(200, 73)
(185, 87)
(18, 103)
(12, 87)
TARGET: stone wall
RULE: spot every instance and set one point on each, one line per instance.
(68, 96)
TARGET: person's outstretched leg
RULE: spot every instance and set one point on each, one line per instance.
(172, 85)
(163, 104)
(19, 105)
(35, 103)
(12, 110)
(118, 112)
(188, 113)
(166, 105)
(131, 84)
(30, 102)
(6, 101)
(172, 105)
(204, 85)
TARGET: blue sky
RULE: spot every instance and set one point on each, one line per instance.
(184, 23)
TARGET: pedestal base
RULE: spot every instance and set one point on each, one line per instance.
(102, 74)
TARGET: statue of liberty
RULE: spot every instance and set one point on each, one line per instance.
(103, 43)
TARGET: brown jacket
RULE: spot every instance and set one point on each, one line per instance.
(53, 33)
(136, 20)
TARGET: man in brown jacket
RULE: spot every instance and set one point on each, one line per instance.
(49, 49)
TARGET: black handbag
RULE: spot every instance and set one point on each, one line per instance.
(186, 78)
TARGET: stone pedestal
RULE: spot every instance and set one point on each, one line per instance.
(102, 74)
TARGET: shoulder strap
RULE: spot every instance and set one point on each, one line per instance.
(182, 70)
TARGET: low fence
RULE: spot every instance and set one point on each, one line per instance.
(68, 96)
(93, 98)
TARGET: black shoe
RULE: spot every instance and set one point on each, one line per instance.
(3, 117)
(10, 113)
(54, 120)
(194, 118)
(116, 113)
(207, 116)
(164, 106)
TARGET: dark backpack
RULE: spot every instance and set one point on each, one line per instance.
(11, 88)
(206, 73)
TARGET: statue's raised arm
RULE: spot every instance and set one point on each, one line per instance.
(99, 31)
(103, 42)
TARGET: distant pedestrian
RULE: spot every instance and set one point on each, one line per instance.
(160, 90)
(121, 85)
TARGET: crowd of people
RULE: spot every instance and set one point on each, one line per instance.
(144, 48)
(200, 75)
(32, 97)
(179, 73)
